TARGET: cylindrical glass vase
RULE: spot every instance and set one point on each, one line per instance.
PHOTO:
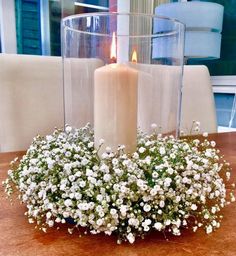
(123, 75)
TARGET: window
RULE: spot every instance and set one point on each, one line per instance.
(225, 103)
(223, 70)
(28, 29)
(58, 9)
(225, 99)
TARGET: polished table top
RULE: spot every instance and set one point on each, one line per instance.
(18, 237)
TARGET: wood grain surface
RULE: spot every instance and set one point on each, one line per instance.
(19, 238)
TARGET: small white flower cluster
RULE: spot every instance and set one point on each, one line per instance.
(167, 184)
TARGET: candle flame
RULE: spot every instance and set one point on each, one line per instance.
(134, 57)
(113, 47)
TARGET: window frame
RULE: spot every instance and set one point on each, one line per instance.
(224, 84)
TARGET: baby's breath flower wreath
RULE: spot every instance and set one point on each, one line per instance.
(168, 184)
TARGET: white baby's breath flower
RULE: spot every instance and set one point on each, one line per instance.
(107, 177)
(147, 208)
(155, 175)
(185, 180)
(228, 175)
(232, 197)
(131, 238)
(68, 154)
(90, 144)
(162, 204)
(99, 222)
(99, 197)
(48, 215)
(170, 170)
(162, 150)
(68, 202)
(176, 231)
(167, 182)
(158, 226)
(89, 172)
(115, 161)
(68, 129)
(84, 161)
(153, 192)
(82, 184)
(141, 150)
(209, 229)
(161, 185)
(140, 182)
(123, 210)
(113, 211)
(31, 220)
(167, 222)
(194, 207)
(213, 143)
(50, 223)
(66, 215)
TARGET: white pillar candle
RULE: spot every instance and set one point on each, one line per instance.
(115, 107)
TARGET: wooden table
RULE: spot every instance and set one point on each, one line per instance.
(18, 237)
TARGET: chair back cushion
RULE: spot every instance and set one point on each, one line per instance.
(31, 98)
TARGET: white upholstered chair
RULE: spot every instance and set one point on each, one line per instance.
(197, 100)
(31, 99)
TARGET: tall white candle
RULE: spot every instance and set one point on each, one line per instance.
(115, 107)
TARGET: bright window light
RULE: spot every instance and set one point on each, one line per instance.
(91, 6)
